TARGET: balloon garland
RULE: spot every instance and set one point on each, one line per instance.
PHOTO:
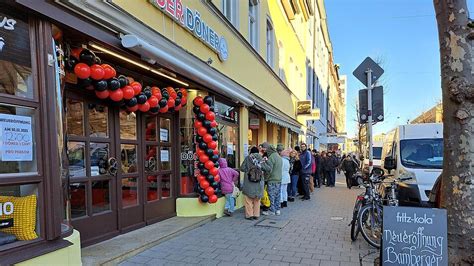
(122, 90)
(207, 167)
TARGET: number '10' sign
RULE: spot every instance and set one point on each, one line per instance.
(6, 208)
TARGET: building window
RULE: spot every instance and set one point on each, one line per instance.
(227, 117)
(270, 44)
(253, 23)
(230, 9)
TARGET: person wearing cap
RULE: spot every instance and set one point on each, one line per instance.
(272, 167)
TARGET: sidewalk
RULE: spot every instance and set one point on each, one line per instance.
(316, 233)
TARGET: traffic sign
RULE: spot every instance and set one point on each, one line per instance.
(377, 105)
(361, 71)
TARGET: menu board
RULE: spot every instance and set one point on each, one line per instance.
(414, 236)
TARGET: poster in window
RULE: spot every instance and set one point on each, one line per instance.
(230, 148)
(165, 156)
(226, 112)
(164, 135)
(14, 38)
(16, 140)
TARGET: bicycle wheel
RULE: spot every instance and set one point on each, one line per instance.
(354, 224)
(370, 224)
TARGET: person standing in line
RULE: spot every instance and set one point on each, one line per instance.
(272, 168)
(299, 184)
(332, 163)
(229, 178)
(305, 175)
(253, 183)
(295, 168)
(324, 168)
(317, 174)
(349, 167)
(285, 177)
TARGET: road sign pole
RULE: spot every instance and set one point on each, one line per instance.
(369, 118)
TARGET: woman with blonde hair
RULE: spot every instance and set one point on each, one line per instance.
(285, 177)
(295, 167)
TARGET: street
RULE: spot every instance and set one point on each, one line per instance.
(316, 233)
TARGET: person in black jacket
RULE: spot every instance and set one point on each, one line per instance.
(295, 168)
(349, 167)
(317, 173)
(331, 164)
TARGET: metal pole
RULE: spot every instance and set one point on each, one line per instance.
(369, 126)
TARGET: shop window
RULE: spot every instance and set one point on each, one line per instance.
(128, 158)
(75, 117)
(99, 154)
(128, 125)
(279, 135)
(165, 126)
(165, 186)
(98, 120)
(165, 158)
(76, 155)
(19, 214)
(100, 196)
(78, 199)
(152, 188)
(129, 192)
(17, 131)
(228, 132)
(16, 78)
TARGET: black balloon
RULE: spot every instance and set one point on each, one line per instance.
(214, 137)
(201, 166)
(209, 152)
(180, 94)
(141, 98)
(201, 117)
(123, 81)
(212, 131)
(196, 110)
(215, 184)
(177, 101)
(204, 172)
(215, 158)
(202, 146)
(217, 191)
(204, 198)
(114, 84)
(165, 95)
(154, 110)
(211, 109)
(200, 190)
(163, 103)
(118, 104)
(87, 57)
(206, 123)
(199, 138)
(100, 85)
(84, 82)
(210, 179)
(147, 93)
(208, 100)
(132, 102)
(216, 165)
(71, 62)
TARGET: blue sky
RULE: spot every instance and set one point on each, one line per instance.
(401, 33)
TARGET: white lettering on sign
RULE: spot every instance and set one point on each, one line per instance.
(6, 208)
(404, 218)
(7, 23)
(16, 143)
(192, 21)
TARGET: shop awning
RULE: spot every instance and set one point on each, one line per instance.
(272, 118)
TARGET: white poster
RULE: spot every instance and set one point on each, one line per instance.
(16, 138)
(230, 148)
(246, 149)
(165, 155)
(164, 135)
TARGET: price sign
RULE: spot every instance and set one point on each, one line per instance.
(16, 140)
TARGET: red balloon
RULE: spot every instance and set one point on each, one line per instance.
(76, 52)
(217, 178)
(116, 95)
(128, 92)
(216, 152)
(200, 152)
(153, 101)
(137, 87)
(213, 199)
(171, 102)
(201, 178)
(144, 107)
(211, 116)
(213, 124)
(155, 91)
(209, 164)
(177, 108)
(198, 101)
(183, 100)
(133, 109)
(82, 71)
(214, 171)
(109, 71)
(209, 191)
(204, 108)
(97, 72)
(202, 131)
(204, 184)
(173, 95)
(164, 109)
(207, 138)
(203, 158)
(212, 145)
(197, 123)
(102, 94)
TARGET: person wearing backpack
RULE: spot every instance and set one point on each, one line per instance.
(253, 184)
(272, 168)
(229, 178)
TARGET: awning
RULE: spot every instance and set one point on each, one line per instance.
(272, 118)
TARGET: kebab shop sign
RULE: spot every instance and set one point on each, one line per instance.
(16, 143)
(414, 236)
(191, 20)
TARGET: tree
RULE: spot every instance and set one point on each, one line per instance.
(456, 34)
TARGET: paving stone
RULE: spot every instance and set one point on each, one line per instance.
(273, 257)
(309, 262)
(329, 263)
(139, 259)
(260, 262)
(291, 259)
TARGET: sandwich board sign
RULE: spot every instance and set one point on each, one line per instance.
(414, 236)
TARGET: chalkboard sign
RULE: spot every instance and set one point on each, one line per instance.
(414, 236)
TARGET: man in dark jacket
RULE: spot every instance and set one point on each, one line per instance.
(306, 170)
(349, 166)
(332, 163)
(317, 174)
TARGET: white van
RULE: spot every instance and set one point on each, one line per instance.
(415, 151)
(376, 155)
